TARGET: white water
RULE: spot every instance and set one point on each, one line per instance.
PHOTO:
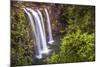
(38, 50)
(45, 48)
(38, 29)
(49, 27)
(42, 21)
(43, 44)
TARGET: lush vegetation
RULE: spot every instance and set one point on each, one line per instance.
(22, 44)
(75, 47)
(77, 43)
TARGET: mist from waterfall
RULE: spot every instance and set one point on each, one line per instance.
(39, 31)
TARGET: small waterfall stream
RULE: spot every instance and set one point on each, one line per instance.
(39, 31)
(50, 38)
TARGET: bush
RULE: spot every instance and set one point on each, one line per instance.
(22, 44)
(75, 47)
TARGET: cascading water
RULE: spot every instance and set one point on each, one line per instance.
(36, 33)
(38, 29)
(50, 38)
(43, 28)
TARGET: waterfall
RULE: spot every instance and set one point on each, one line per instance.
(45, 50)
(39, 31)
(36, 33)
(50, 38)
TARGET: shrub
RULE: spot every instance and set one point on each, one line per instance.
(22, 44)
(75, 47)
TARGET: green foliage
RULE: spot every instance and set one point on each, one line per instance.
(75, 47)
(22, 44)
(79, 17)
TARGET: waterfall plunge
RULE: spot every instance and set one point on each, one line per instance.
(36, 33)
(38, 29)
